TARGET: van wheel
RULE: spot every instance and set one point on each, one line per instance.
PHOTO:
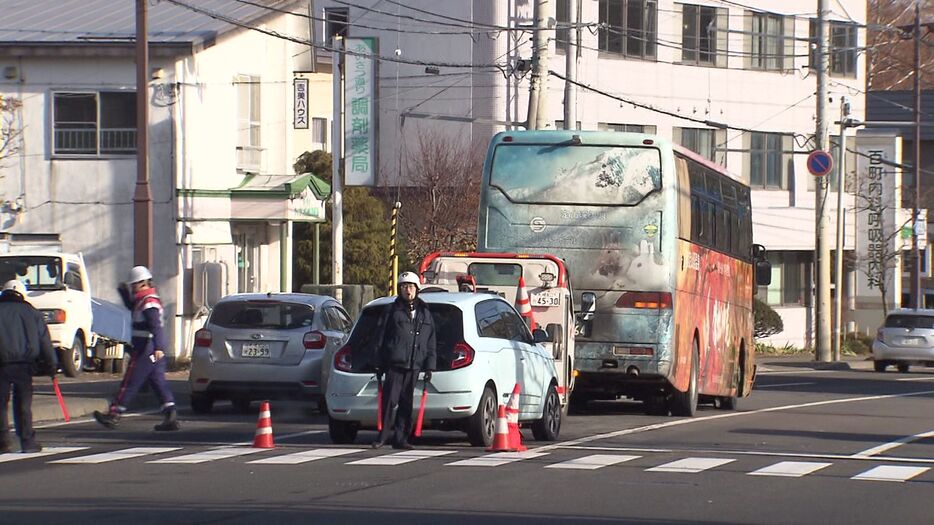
(481, 426)
(342, 432)
(73, 359)
(685, 403)
(549, 426)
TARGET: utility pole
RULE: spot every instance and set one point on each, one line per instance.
(838, 255)
(538, 89)
(822, 227)
(312, 40)
(142, 196)
(337, 199)
(570, 90)
(916, 299)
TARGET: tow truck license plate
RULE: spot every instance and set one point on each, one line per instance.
(254, 350)
(546, 298)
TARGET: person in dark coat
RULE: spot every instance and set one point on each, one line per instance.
(405, 346)
(147, 355)
(25, 350)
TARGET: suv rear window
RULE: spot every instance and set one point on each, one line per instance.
(909, 321)
(449, 330)
(262, 314)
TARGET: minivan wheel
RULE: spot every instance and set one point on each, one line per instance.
(481, 426)
(549, 426)
(342, 432)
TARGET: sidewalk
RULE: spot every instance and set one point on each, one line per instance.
(806, 360)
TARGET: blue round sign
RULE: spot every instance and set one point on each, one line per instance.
(819, 163)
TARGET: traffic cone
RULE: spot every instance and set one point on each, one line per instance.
(512, 418)
(501, 439)
(263, 438)
(523, 303)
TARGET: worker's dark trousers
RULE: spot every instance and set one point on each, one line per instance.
(140, 370)
(18, 378)
(398, 394)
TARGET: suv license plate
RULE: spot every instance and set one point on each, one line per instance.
(912, 341)
(254, 350)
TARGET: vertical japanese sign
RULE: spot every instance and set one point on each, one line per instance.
(360, 112)
(878, 243)
(300, 104)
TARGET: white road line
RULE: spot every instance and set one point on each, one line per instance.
(752, 453)
(891, 473)
(790, 469)
(785, 384)
(916, 379)
(892, 444)
(402, 457)
(306, 456)
(210, 455)
(593, 462)
(783, 372)
(90, 419)
(107, 457)
(691, 465)
(497, 459)
(47, 451)
(282, 437)
(689, 421)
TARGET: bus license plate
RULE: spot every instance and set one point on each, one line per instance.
(546, 298)
(254, 350)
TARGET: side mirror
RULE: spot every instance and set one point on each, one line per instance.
(540, 336)
(758, 251)
(763, 273)
(554, 332)
(588, 305)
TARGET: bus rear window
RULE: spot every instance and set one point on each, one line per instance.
(576, 174)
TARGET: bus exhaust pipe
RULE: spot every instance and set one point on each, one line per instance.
(633, 371)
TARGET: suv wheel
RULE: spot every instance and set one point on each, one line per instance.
(879, 366)
(482, 425)
(903, 367)
(342, 432)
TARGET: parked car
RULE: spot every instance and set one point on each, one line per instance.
(483, 349)
(906, 338)
(265, 346)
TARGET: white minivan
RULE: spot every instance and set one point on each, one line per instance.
(484, 349)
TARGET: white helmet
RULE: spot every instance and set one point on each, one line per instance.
(137, 274)
(410, 278)
(16, 286)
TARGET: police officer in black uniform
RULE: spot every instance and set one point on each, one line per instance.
(406, 346)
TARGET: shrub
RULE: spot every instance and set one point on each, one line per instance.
(855, 343)
(767, 320)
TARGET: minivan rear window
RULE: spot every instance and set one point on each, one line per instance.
(262, 314)
(909, 321)
(449, 330)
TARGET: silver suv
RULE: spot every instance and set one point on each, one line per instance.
(906, 338)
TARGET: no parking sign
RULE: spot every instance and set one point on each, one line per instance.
(819, 163)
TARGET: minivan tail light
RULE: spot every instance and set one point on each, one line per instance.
(203, 337)
(314, 340)
(463, 356)
(342, 359)
(645, 300)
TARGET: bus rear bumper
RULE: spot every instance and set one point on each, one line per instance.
(601, 372)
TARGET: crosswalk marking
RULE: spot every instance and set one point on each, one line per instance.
(210, 455)
(691, 465)
(593, 462)
(891, 473)
(402, 457)
(48, 451)
(495, 460)
(790, 469)
(306, 456)
(106, 457)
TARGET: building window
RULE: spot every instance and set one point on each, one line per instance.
(99, 123)
(627, 128)
(630, 27)
(249, 124)
(559, 124)
(319, 131)
(771, 41)
(563, 17)
(704, 35)
(708, 143)
(336, 22)
(789, 279)
(768, 156)
(843, 43)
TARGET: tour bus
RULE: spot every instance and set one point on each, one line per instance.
(661, 243)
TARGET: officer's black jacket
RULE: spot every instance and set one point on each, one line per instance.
(24, 336)
(405, 342)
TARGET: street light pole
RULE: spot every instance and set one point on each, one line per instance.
(916, 298)
(142, 196)
(838, 256)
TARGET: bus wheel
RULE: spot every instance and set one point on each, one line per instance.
(685, 403)
(656, 405)
(732, 402)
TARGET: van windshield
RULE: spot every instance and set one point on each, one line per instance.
(36, 272)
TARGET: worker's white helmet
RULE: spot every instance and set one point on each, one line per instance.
(137, 274)
(411, 278)
(16, 286)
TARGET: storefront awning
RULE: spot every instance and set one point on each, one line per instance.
(280, 197)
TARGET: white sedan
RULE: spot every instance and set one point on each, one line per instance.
(484, 349)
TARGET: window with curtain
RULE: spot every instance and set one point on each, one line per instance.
(630, 27)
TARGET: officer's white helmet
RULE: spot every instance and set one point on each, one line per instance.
(411, 278)
(16, 286)
(137, 274)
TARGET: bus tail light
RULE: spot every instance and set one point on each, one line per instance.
(645, 300)
(463, 356)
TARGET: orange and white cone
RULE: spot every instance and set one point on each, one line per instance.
(501, 439)
(263, 438)
(512, 419)
(523, 303)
